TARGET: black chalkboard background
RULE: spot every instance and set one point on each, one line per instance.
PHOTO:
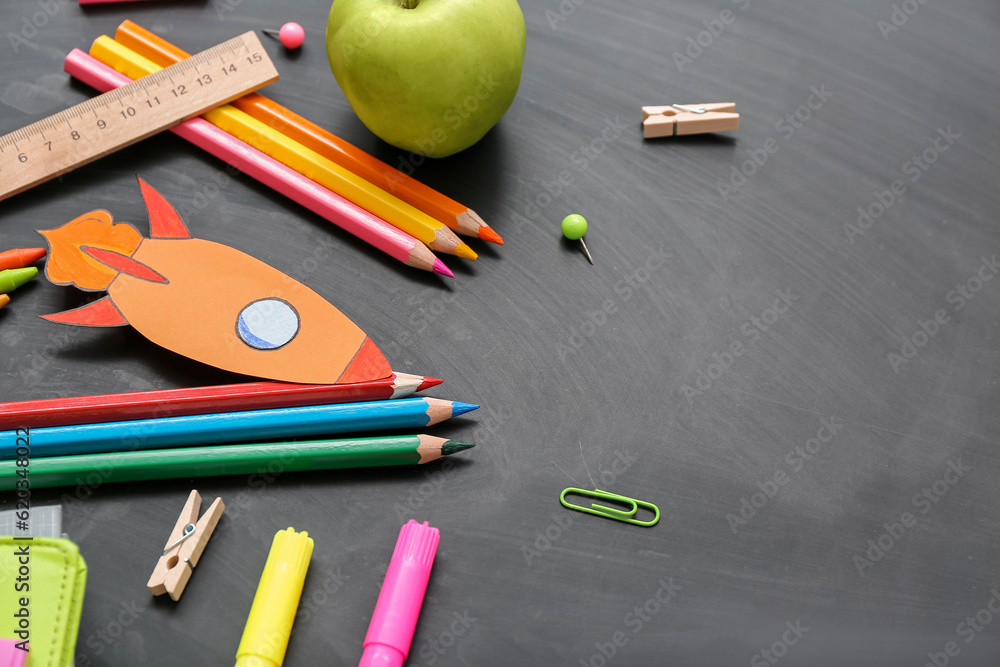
(620, 375)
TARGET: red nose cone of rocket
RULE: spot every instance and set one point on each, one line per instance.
(368, 363)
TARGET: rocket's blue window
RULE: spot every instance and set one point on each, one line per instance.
(267, 324)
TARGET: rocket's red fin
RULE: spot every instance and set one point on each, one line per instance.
(164, 223)
(100, 313)
(126, 265)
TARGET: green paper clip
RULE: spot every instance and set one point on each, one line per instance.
(610, 512)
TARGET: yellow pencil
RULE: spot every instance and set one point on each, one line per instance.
(296, 156)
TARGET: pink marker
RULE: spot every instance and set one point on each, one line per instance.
(10, 655)
(391, 631)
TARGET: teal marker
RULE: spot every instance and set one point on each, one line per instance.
(11, 279)
(574, 227)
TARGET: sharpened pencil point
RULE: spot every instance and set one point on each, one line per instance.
(32, 255)
(463, 250)
(452, 446)
(20, 257)
(11, 279)
(488, 234)
(440, 268)
(459, 408)
(428, 383)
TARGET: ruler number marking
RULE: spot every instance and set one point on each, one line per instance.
(57, 157)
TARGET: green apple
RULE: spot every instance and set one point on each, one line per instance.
(427, 76)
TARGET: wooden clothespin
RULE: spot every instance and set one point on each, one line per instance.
(184, 547)
(677, 119)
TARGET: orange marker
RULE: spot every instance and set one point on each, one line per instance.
(206, 301)
(18, 258)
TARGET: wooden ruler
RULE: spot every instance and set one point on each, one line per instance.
(123, 116)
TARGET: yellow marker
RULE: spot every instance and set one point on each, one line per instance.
(269, 625)
(4, 300)
(303, 160)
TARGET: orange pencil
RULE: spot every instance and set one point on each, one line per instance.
(18, 258)
(453, 214)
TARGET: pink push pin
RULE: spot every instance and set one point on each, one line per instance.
(291, 35)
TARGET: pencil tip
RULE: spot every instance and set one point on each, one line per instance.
(14, 278)
(452, 446)
(463, 250)
(459, 408)
(441, 269)
(32, 255)
(488, 234)
(428, 383)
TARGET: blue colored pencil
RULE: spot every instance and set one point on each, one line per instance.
(231, 427)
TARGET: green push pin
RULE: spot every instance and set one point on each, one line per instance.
(574, 227)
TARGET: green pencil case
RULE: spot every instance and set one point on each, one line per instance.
(50, 575)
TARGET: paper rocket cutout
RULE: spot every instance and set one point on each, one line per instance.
(205, 300)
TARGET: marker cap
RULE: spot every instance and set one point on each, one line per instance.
(391, 630)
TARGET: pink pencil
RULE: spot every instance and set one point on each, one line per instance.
(273, 174)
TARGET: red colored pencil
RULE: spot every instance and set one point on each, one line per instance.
(201, 400)
(18, 258)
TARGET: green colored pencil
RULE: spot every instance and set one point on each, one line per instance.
(11, 279)
(261, 458)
